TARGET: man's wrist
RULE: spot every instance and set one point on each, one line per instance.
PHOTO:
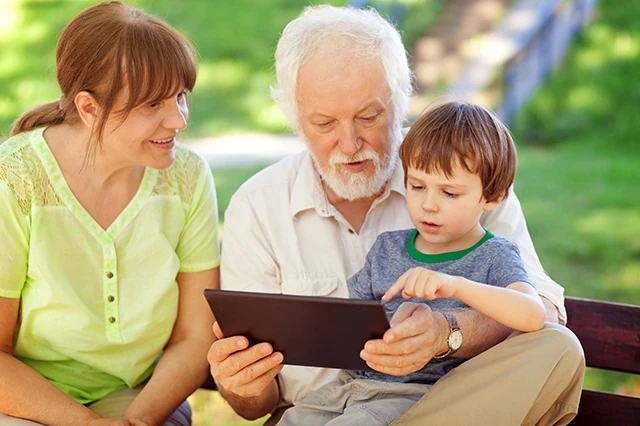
(442, 346)
(552, 311)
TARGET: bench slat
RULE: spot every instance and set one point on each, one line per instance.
(609, 333)
(604, 409)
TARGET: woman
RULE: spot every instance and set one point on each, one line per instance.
(109, 234)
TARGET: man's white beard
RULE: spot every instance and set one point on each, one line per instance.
(354, 186)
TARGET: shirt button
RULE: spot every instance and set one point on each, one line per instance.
(111, 298)
(351, 231)
(112, 320)
(109, 275)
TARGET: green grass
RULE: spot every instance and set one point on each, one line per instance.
(579, 173)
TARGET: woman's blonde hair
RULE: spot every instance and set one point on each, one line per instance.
(110, 47)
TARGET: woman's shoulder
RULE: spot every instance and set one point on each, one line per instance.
(187, 160)
(18, 158)
(20, 168)
(182, 177)
(14, 149)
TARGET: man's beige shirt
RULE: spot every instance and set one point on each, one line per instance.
(281, 235)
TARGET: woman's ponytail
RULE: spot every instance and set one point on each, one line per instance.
(38, 116)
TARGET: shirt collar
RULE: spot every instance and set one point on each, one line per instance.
(308, 193)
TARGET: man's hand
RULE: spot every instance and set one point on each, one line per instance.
(242, 370)
(416, 335)
(423, 283)
(552, 311)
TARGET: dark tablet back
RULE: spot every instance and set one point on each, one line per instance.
(308, 330)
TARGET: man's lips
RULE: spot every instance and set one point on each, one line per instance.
(356, 167)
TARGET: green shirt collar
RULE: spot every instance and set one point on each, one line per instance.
(441, 257)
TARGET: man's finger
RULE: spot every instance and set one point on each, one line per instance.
(223, 348)
(405, 346)
(217, 331)
(405, 310)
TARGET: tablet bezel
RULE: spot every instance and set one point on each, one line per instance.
(312, 331)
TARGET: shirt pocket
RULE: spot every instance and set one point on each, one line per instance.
(311, 286)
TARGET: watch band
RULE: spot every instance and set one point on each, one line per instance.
(453, 328)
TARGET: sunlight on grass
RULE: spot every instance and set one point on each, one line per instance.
(224, 74)
(615, 225)
(625, 47)
(629, 277)
(8, 18)
(587, 98)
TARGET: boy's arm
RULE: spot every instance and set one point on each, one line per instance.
(518, 306)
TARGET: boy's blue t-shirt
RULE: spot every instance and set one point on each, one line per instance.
(493, 260)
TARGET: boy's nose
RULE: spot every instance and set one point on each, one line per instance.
(429, 204)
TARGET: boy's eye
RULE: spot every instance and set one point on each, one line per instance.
(417, 187)
(153, 105)
(450, 194)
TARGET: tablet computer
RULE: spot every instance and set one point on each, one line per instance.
(308, 330)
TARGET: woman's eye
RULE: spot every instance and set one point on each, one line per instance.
(417, 187)
(153, 105)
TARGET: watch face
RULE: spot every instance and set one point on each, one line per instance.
(455, 340)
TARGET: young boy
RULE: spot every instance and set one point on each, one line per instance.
(459, 161)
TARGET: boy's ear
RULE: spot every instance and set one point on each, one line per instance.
(87, 108)
(490, 205)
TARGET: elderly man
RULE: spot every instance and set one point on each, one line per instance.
(304, 225)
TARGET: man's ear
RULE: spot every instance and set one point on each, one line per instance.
(87, 108)
(490, 205)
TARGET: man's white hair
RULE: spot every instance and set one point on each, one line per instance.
(338, 31)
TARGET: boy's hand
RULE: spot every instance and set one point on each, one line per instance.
(423, 283)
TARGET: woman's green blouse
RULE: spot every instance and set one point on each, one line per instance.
(98, 306)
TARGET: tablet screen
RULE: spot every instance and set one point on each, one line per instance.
(308, 330)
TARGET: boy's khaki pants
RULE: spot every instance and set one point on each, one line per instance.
(529, 379)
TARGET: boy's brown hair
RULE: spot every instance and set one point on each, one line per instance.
(465, 134)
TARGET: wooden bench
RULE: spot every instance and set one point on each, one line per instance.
(610, 336)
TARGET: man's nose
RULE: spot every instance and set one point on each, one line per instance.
(349, 141)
